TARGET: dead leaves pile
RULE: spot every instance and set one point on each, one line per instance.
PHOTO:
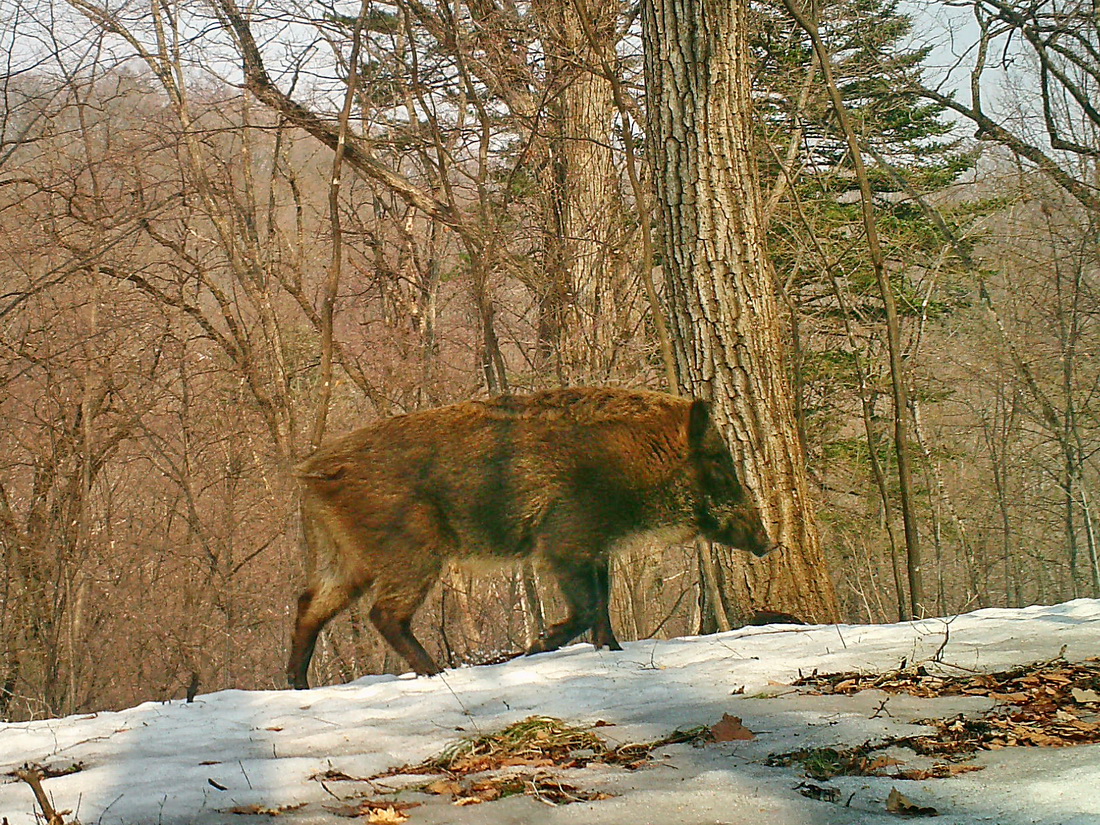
(522, 759)
(543, 786)
(1046, 704)
(513, 762)
(865, 760)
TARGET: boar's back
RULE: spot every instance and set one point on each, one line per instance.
(490, 476)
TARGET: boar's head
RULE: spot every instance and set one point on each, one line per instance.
(724, 510)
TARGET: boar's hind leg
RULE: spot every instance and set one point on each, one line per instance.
(392, 614)
(581, 585)
(315, 607)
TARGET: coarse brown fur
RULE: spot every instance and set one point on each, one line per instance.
(564, 474)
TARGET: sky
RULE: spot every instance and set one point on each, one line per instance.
(176, 762)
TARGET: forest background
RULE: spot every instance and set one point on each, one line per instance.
(206, 272)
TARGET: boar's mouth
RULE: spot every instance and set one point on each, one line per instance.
(735, 532)
(765, 549)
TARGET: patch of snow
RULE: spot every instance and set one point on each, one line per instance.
(162, 763)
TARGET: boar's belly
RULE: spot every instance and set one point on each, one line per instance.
(665, 536)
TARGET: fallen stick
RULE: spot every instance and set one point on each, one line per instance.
(33, 777)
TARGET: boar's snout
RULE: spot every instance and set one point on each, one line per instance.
(744, 529)
(736, 522)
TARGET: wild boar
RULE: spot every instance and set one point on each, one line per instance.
(566, 475)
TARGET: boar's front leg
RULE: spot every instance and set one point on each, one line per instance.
(583, 582)
(602, 634)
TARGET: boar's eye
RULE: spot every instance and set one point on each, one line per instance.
(719, 475)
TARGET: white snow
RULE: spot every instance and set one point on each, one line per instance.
(154, 763)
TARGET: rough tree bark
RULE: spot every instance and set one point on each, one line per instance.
(725, 316)
(582, 187)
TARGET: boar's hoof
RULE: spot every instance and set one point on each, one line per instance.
(600, 640)
(541, 645)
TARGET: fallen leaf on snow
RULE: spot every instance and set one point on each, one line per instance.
(379, 811)
(387, 816)
(898, 803)
(818, 792)
(880, 762)
(444, 786)
(1085, 697)
(730, 729)
(263, 810)
(463, 801)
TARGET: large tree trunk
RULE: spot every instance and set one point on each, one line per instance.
(725, 317)
(582, 192)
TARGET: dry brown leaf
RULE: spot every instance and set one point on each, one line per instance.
(377, 810)
(1085, 697)
(730, 729)
(898, 803)
(489, 789)
(441, 787)
(444, 786)
(881, 762)
(387, 816)
(263, 810)
(485, 791)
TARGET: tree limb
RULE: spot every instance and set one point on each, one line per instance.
(356, 153)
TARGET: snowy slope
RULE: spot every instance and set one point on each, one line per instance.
(157, 763)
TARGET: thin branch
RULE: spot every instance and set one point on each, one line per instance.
(893, 337)
(357, 153)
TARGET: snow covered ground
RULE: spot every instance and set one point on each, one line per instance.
(167, 763)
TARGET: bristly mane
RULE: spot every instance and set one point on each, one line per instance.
(591, 403)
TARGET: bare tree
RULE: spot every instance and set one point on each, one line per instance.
(914, 560)
(1060, 39)
(721, 288)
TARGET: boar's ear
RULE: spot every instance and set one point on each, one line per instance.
(698, 421)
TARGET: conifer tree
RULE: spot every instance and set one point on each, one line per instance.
(816, 231)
